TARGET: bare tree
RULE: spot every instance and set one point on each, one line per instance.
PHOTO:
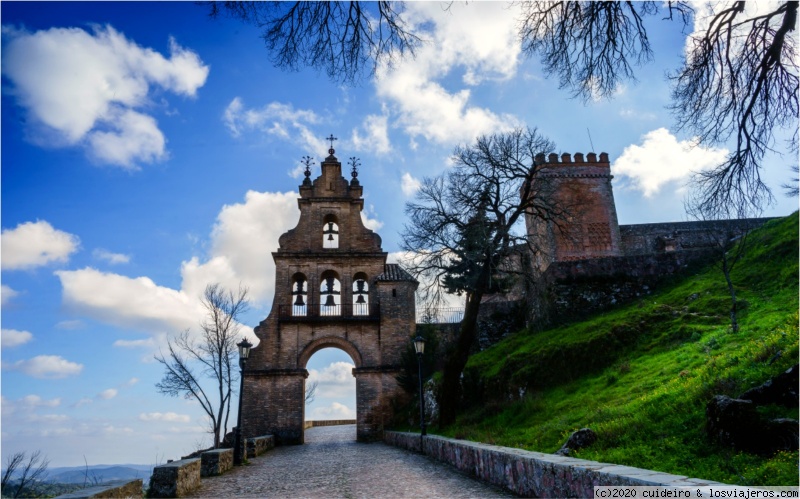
(311, 392)
(729, 243)
(344, 39)
(20, 475)
(466, 227)
(211, 355)
(739, 79)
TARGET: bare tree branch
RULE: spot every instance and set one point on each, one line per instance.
(740, 80)
(343, 39)
(30, 472)
(214, 353)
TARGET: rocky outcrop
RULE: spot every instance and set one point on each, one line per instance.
(736, 423)
(578, 440)
(782, 390)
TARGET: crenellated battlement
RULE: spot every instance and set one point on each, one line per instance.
(566, 159)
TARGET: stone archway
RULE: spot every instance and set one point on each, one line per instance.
(326, 311)
(329, 342)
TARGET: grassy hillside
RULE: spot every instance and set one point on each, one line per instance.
(641, 375)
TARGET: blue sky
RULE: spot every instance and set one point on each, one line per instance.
(148, 150)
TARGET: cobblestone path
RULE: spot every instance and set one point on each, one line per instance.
(332, 464)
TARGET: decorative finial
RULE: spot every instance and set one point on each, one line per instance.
(331, 139)
(355, 163)
(307, 160)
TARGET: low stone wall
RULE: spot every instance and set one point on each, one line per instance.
(116, 488)
(215, 462)
(327, 422)
(258, 445)
(534, 474)
(175, 479)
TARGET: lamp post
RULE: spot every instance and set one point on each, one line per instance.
(419, 347)
(238, 448)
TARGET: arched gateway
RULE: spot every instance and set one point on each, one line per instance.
(333, 288)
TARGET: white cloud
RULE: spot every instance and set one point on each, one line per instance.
(32, 244)
(145, 343)
(71, 324)
(409, 184)
(127, 302)
(46, 367)
(481, 40)
(112, 258)
(12, 338)
(132, 381)
(26, 404)
(333, 411)
(335, 380)
(34, 401)
(278, 120)
(662, 159)
(131, 137)
(242, 235)
(108, 394)
(241, 241)
(165, 416)
(376, 136)
(7, 294)
(371, 223)
(83, 89)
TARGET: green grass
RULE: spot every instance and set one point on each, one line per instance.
(641, 375)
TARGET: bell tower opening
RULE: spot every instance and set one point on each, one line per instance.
(330, 232)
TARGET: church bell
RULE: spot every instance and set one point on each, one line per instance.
(299, 301)
(361, 299)
(329, 301)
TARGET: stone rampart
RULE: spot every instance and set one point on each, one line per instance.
(534, 474)
(259, 445)
(215, 462)
(115, 488)
(175, 479)
(648, 239)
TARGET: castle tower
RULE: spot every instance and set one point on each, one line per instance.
(582, 188)
(333, 288)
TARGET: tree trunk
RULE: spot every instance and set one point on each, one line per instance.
(450, 391)
(727, 271)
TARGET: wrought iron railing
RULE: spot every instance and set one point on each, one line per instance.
(448, 315)
(346, 311)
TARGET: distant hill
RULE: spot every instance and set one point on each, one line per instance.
(101, 473)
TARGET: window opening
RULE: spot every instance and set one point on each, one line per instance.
(330, 233)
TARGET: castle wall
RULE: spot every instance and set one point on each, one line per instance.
(647, 239)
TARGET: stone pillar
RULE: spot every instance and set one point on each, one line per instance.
(376, 388)
(274, 404)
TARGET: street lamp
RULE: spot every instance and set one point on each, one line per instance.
(238, 448)
(419, 347)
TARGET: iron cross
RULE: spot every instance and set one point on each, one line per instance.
(331, 138)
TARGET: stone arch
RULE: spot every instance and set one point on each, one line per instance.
(328, 342)
(330, 231)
